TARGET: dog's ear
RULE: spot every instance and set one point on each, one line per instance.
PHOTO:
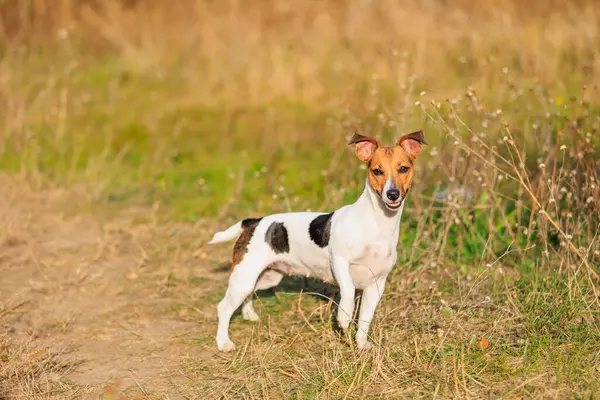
(411, 143)
(364, 147)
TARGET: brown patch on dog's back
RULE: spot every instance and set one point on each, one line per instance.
(240, 248)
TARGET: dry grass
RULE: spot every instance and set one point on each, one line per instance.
(33, 372)
(179, 118)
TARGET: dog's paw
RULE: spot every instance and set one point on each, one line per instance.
(343, 322)
(364, 345)
(226, 345)
(344, 318)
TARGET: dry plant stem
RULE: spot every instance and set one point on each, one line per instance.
(537, 203)
(523, 184)
(302, 313)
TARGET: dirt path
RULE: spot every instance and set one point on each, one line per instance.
(105, 292)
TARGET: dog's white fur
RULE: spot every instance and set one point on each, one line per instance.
(360, 254)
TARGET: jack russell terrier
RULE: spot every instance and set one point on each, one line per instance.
(354, 246)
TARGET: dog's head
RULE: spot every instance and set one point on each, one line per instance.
(391, 169)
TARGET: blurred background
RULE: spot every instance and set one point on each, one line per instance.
(204, 102)
(206, 112)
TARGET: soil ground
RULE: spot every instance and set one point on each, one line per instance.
(81, 287)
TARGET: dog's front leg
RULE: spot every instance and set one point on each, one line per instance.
(370, 298)
(341, 272)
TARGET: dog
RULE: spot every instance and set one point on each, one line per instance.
(355, 246)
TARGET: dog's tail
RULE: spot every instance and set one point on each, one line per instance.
(233, 232)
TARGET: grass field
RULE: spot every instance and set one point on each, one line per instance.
(131, 131)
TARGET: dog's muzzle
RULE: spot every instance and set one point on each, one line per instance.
(392, 199)
(394, 205)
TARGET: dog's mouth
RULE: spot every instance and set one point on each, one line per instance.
(393, 205)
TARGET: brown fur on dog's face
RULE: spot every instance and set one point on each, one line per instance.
(390, 164)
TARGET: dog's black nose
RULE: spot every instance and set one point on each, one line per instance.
(393, 194)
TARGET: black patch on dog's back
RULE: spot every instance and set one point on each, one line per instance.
(319, 229)
(277, 237)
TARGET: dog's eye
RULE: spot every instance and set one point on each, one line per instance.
(403, 169)
(377, 172)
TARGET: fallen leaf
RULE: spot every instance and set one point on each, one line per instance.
(483, 344)
(289, 371)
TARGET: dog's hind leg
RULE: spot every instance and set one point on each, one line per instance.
(268, 279)
(241, 285)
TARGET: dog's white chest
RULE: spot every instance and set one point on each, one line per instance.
(375, 262)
